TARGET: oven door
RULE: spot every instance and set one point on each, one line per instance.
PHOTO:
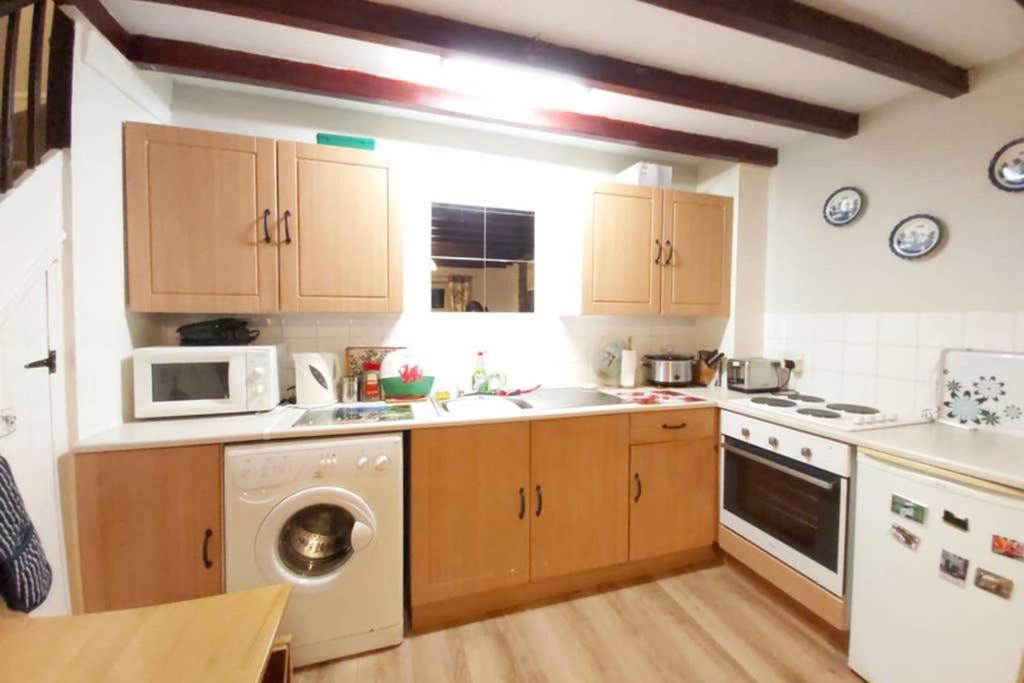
(792, 510)
(175, 382)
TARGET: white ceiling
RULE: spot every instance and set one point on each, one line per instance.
(968, 33)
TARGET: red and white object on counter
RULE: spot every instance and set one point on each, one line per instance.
(655, 396)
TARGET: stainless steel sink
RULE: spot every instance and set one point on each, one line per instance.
(554, 399)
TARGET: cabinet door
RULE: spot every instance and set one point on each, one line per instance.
(579, 469)
(674, 499)
(696, 278)
(344, 253)
(149, 526)
(469, 498)
(195, 206)
(621, 251)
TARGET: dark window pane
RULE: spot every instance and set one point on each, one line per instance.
(190, 381)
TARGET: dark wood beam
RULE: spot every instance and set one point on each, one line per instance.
(245, 67)
(392, 25)
(808, 28)
(103, 21)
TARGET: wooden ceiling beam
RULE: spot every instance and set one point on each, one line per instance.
(801, 26)
(245, 67)
(398, 26)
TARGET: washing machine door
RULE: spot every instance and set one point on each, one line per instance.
(309, 538)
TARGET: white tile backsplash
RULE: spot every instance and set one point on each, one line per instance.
(887, 359)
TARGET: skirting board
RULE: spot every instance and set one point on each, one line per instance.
(433, 616)
(791, 582)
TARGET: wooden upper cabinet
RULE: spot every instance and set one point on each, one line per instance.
(696, 277)
(469, 510)
(195, 203)
(150, 526)
(579, 468)
(620, 249)
(336, 208)
(649, 251)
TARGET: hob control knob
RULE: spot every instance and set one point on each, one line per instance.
(362, 462)
(806, 452)
(745, 432)
(773, 442)
(382, 462)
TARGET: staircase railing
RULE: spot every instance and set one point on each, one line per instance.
(35, 84)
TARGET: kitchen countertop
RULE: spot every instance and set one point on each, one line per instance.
(989, 456)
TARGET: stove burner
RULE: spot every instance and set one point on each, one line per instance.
(773, 402)
(807, 399)
(852, 408)
(818, 412)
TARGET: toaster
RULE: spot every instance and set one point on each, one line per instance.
(757, 374)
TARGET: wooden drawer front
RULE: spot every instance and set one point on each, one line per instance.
(672, 425)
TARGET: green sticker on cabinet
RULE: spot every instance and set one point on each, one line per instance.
(346, 141)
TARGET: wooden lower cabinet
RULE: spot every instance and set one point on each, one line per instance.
(150, 526)
(580, 518)
(674, 504)
(469, 510)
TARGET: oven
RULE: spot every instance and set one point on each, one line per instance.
(787, 492)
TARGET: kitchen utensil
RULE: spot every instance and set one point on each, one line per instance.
(668, 370)
(316, 379)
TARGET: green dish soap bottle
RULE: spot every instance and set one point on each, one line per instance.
(478, 382)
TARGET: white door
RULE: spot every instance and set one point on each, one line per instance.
(26, 438)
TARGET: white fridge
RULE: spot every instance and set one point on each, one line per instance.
(938, 584)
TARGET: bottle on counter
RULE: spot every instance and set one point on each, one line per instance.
(370, 385)
(478, 381)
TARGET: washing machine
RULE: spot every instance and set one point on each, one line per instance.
(324, 516)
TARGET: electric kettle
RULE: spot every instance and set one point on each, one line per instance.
(316, 379)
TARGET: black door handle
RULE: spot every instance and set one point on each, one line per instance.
(206, 548)
(678, 426)
(287, 229)
(657, 259)
(540, 500)
(522, 502)
(266, 225)
(639, 487)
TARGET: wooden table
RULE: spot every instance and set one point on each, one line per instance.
(221, 638)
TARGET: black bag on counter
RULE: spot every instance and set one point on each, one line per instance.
(219, 332)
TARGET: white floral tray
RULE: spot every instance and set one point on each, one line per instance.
(983, 390)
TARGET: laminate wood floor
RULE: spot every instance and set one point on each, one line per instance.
(713, 624)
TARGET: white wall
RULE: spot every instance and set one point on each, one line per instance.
(107, 91)
(870, 325)
(449, 164)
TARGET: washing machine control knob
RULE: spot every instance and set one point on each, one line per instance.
(362, 462)
(382, 462)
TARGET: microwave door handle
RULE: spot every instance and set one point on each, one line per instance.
(814, 481)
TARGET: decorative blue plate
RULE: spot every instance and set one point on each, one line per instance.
(1007, 168)
(843, 206)
(916, 236)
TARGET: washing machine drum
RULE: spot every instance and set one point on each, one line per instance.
(309, 537)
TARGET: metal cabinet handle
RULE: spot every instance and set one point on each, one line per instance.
(657, 259)
(671, 252)
(522, 502)
(639, 487)
(287, 229)
(540, 500)
(773, 442)
(678, 426)
(266, 225)
(206, 548)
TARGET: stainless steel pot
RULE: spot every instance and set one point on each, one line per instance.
(668, 370)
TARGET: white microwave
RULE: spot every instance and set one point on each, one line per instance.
(175, 381)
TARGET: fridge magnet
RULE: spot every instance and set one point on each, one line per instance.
(1008, 547)
(993, 583)
(953, 567)
(1006, 171)
(916, 236)
(908, 508)
(843, 206)
(905, 537)
(961, 523)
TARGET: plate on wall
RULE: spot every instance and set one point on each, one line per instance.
(843, 206)
(916, 236)
(1006, 171)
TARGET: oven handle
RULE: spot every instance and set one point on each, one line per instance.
(826, 485)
